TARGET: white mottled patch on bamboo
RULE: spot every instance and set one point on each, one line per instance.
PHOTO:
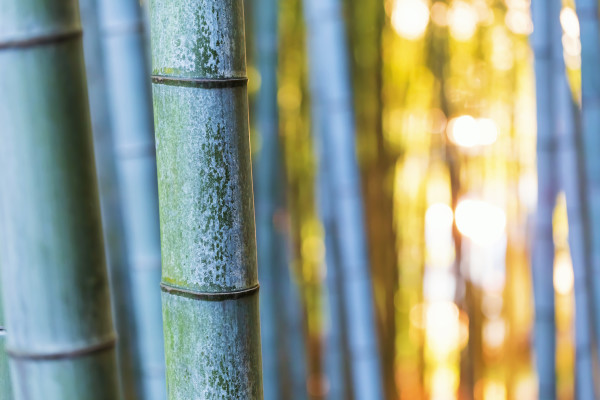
(199, 39)
(205, 188)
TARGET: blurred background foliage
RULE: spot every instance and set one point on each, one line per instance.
(444, 99)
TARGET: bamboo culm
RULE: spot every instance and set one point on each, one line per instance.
(209, 276)
(54, 279)
(587, 12)
(112, 218)
(125, 61)
(542, 254)
(5, 385)
(336, 357)
(284, 370)
(571, 179)
(332, 95)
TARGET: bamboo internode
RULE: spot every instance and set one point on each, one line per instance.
(55, 284)
(212, 334)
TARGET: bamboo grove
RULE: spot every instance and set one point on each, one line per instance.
(299, 199)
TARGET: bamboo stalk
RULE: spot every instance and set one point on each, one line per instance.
(112, 218)
(132, 125)
(336, 357)
(5, 385)
(284, 375)
(54, 280)
(332, 95)
(542, 254)
(209, 279)
(571, 177)
(587, 12)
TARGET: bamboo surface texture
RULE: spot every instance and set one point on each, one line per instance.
(128, 86)
(209, 278)
(332, 95)
(55, 286)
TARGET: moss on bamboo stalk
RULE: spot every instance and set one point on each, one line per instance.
(209, 279)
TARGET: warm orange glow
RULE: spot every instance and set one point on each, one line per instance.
(569, 22)
(468, 132)
(481, 222)
(410, 18)
(493, 390)
(563, 274)
(494, 333)
(439, 219)
(443, 330)
(462, 18)
(444, 382)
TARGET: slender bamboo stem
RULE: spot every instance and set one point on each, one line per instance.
(284, 375)
(332, 95)
(571, 178)
(209, 279)
(112, 218)
(336, 357)
(587, 11)
(55, 285)
(130, 103)
(542, 258)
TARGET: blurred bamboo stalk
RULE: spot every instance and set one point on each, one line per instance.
(284, 375)
(5, 385)
(571, 179)
(112, 218)
(332, 96)
(128, 88)
(542, 253)
(336, 358)
(209, 279)
(54, 278)
(366, 21)
(587, 12)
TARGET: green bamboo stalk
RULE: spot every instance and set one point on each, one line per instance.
(5, 385)
(209, 278)
(130, 103)
(112, 217)
(55, 286)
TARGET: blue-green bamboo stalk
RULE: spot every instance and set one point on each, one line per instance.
(336, 360)
(284, 375)
(571, 178)
(587, 11)
(542, 254)
(209, 279)
(54, 280)
(112, 218)
(127, 76)
(332, 96)
(5, 385)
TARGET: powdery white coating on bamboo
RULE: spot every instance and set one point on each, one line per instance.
(54, 279)
(198, 38)
(207, 211)
(221, 363)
